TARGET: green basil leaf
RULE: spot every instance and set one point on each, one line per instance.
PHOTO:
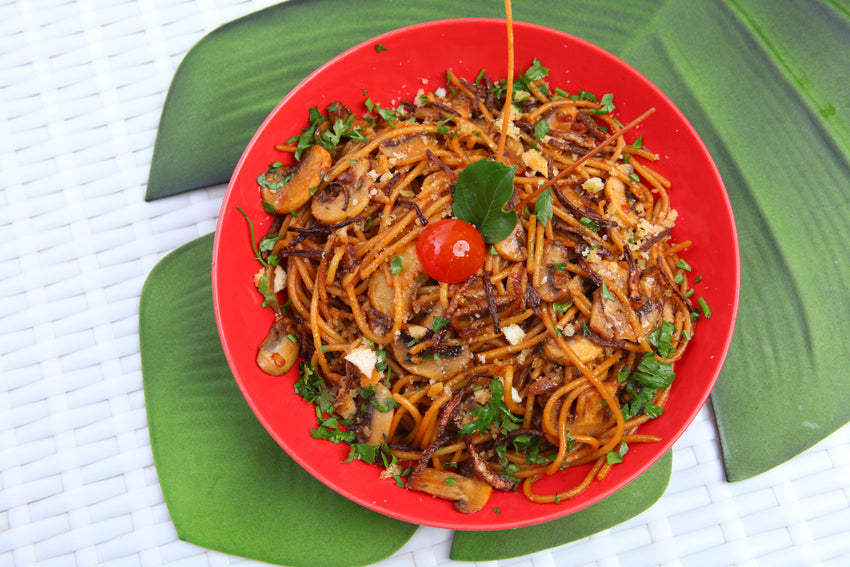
(482, 190)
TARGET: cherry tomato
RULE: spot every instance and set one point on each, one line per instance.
(450, 250)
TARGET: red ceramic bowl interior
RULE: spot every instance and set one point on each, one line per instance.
(417, 57)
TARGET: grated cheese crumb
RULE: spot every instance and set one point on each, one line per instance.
(279, 279)
(533, 160)
(515, 396)
(416, 331)
(513, 333)
(593, 185)
(364, 359)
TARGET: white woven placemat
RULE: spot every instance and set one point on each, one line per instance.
(81, 89)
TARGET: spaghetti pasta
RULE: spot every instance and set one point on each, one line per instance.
(550, 355)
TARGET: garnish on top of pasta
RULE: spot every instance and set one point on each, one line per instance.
(475, 319)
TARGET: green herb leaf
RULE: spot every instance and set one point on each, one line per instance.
(561, 307)
(607, 294)
(494, 413)
(395, 265)
(363, 452)
(379, 48)
(613, 458)
(541, 129)
(482, 190)
(388, 404)
(653, 373)
(439, 322)
(543, 206)
(706, 310)
(536, 72)
(653, 411)
(311, 387)
(607, 103)
(662, 337)
(589, 224)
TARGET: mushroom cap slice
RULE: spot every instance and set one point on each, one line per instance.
(470, 494)
(277, 353)
(377, 429)
(514, 247)
(382, 294)
(441, 368)
(307, 176)
(344, 198)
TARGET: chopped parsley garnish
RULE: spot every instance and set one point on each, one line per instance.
(650, 375)
(607, 294)
(614, 457)
(607, 103)
(537, 72)
(395, 265)
(589, 224)
(257, 249)
(561, 307)
(311, 387)
(543, 206)
(662, 337)
(495, 413)
(541, 129)
(439, 322)
(363, 452)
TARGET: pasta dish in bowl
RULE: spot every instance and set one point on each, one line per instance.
(472, 302)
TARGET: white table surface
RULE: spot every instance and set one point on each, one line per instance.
(81, 89)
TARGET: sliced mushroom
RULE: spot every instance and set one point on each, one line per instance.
(615, 190)
(278, 352)
(514, 247)
(583, 347)
(409, 148)
(470, 494)
(296, 192)
(338, 111)
(592, 414)
(382, 294)
(433, 367)
(346, 197)
(553, 284)
(609, 320)
(376, 429)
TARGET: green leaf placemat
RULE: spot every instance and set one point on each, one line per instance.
(229, 82)
(642, 493)
(771, 104)
(227, 485)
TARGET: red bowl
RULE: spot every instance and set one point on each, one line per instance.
(417, 57)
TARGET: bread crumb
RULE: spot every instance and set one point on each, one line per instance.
(364, 359)
(513, 333)
(593, 185)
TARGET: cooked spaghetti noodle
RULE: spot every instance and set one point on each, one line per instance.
(551, 355)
